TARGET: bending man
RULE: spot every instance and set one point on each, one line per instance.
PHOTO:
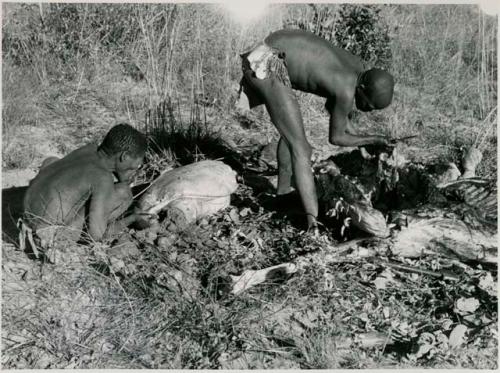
(296, 59)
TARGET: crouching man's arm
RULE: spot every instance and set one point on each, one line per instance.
(108, 202)
(116, 226)
(339, 124)
(101, 194)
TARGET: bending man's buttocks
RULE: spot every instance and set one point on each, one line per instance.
(296, 59)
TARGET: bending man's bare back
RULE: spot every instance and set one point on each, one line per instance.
(296, 59)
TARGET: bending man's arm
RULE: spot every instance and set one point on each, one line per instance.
(339, 124)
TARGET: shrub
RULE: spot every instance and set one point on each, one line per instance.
(360, 29)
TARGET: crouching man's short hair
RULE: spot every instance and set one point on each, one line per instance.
(124, 138)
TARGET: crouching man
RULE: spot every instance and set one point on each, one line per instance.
(86, 191)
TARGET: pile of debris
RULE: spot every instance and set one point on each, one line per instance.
(382, 206)
(412, 210)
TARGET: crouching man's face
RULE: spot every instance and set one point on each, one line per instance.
(127, 165)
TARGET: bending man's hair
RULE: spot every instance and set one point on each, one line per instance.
(378, 86)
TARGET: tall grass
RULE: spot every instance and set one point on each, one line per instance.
(171, 70)
(181, 48)
(176, 140)
(159, 33)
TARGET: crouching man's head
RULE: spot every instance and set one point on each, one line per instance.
(126, 147)
(374, 90)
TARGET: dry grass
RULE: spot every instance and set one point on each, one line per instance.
(159, 309)
(106, 309)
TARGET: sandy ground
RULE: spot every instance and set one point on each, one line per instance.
(17, 178)
(14, 184)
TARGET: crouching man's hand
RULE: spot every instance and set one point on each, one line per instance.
(144, 219)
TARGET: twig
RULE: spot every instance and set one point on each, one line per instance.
(19, 346)
(485, 132)
(446, 275)
(131, 309)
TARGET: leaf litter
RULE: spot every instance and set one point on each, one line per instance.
(158, 298)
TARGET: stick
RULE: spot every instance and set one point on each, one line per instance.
(446, 275)
(404, 138)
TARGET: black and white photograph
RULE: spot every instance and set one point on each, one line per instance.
(249, 185)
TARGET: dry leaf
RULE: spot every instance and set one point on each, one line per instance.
(233, 214)
(487, 284)
(245, 211)
(446, 324)
(383, 279)
(457, 336)
(466, 306)
(422, 350)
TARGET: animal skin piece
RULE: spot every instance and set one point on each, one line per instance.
(251, 278)
(198, 189)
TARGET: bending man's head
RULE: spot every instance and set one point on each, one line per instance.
(127, 147)
(374, 90)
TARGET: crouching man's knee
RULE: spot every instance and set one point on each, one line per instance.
(48, 161)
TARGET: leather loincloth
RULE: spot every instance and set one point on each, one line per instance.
(46, 238)
(264, 62)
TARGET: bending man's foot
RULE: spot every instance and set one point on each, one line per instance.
(312, 226)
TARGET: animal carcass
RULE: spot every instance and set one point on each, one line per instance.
(192, 191)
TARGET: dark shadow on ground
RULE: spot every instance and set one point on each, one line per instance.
(12, 208)
(411, 190)
(288, 206)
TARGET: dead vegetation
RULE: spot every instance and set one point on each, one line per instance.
(162, 299)
(140, 304)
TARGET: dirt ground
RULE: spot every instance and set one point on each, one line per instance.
(144, 306)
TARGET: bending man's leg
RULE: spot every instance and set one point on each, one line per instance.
(285, 113)
(285, 173)
(117, 205)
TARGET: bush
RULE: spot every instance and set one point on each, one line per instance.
(360, 29)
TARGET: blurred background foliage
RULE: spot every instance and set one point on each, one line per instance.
(176, 46)
(132, 57)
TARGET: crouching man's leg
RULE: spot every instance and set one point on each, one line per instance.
(48, 161)
(53, 239)
(118, 203)
(56, 241)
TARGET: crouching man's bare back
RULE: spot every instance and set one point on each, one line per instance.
(79, 190)
(296, 59)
